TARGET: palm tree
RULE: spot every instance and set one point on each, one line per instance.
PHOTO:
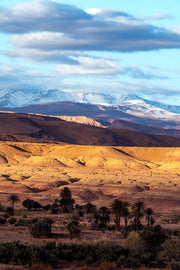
(125, 212)
(13, 198)
(104, 218)
(148, 212)
(117, 210)
(90, 208)
(66, 201)
(138, 213)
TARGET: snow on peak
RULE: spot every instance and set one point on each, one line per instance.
(130, 103)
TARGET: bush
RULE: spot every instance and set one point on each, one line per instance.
(2, 220)
(12, 220)
(16, 253)
(176, 233)
(175, 218)
(146, 258)
(6, 216)
(40, 266)
(170, 252)
(73, 228)
(131, 261)
(126, 230)
(46, 207)
(40, 228)
(53, 209)
(1, 207)
(22, 222)
(121, 260)
(31, 204)
(9, 211)
(175, 265)
(153, 237)
(134, 243)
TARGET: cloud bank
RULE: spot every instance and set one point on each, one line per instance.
(48, 25)
(72, 40)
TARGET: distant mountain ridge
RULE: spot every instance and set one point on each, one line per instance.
(101, 112)
(129, 112)
(11, 98)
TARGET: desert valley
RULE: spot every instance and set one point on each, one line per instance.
(89, 135)
(96, 174)
(40, 155)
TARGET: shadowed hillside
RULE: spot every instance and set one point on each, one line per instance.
(36, 128)
(104, 113)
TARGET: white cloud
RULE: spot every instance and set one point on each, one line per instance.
(93, 10)
(91, 66)
(51, 25)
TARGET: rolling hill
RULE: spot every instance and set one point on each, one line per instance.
(103, 113)
(38, 128)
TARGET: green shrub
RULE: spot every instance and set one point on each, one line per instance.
(168, 231)
(40, 266)
(1, 207)
(121, 260)
(40, 228)
(6, 216)
(153, 237)
(134, 243)
(176, 233)
(31, 204)
(89, 260)
(170, 252)
(2, 220)
(73, 228)
(53, 209)
(146, 258)
(16, 253)
(132, 262)
(126, 230)
(12, 220)
(175, 265)
(9, 211)
(22, 222)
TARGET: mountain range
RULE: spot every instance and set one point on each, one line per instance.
(10, 98)
(124, 112)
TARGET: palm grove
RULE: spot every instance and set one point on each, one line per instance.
(145, 242)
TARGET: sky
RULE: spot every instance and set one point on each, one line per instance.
(99, 46)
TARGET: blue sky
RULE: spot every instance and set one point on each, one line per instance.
(92, 46)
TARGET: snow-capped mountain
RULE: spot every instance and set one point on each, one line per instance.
(132, 104)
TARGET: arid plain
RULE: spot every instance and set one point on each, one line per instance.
(96, 174)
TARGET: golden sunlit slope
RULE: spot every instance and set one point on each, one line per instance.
(51, 155)
(94, 173)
